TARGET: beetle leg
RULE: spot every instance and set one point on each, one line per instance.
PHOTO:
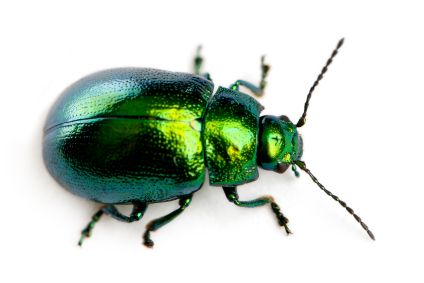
(256, 90)
(136, 214)
(198, 61)
(197, 64)
(86, 232)
(157, 223)
(294, 169)
(232, 196)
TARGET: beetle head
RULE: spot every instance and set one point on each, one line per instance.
(280, 145)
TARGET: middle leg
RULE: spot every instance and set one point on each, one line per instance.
(256, 90)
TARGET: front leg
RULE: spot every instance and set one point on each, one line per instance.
(232, 196)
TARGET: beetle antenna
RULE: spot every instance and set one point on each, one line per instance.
(302, 166)
(302, 119)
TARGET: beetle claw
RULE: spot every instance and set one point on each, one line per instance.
(147, 241)
(81, 240)
(288, 231)
(283, 222)
(86, 233)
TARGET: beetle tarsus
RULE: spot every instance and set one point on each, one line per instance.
(82, 238)
(86, 232)
(198, 61)
(288, 231)
(282, 220)
(264, 73)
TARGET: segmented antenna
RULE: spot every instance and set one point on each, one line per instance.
(302, 166)
(302, 119)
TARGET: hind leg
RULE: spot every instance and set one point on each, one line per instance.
(136, 214)
(158, 223)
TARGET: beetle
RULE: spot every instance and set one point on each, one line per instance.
(138, 136)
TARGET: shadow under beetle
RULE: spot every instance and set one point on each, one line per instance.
(138, 136)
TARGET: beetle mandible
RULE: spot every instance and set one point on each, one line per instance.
(139, 136)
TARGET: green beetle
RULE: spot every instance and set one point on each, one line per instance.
(138, 136)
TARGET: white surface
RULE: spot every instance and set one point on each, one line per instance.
(363, 140)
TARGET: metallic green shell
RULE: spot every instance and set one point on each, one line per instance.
(279, 142)
(133, 92)
(129, 134)
(230, 137)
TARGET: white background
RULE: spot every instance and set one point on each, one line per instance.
(363, 140)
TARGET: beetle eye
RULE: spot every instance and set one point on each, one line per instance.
(282, 167)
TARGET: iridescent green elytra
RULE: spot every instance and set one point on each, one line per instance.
(138, 136)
